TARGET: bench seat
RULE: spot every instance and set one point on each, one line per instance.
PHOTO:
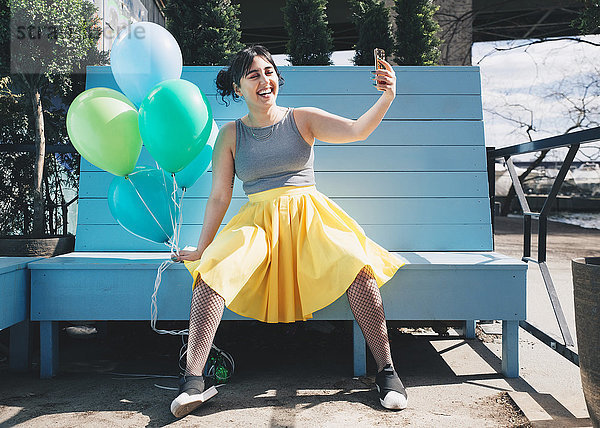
(118, 286)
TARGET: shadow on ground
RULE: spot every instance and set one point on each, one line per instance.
(282, 367)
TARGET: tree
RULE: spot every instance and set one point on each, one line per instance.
(207, 31)
(588, 21)
(4, 38)
(16, 163)
(416, 40)
(16, 168)
(311, 41)
(49, 42)
(372, 20)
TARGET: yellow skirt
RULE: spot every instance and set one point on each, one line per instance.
(289, 252)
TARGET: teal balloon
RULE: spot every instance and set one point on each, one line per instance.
(141, 203)
(175, 121)
(188, 176)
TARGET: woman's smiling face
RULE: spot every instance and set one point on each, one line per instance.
(260, 85)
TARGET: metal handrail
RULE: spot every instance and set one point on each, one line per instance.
(573, 141)
(558, 141)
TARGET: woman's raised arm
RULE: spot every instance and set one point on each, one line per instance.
(331, 128)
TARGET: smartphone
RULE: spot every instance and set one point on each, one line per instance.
(379, 55)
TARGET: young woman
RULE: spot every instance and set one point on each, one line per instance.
(290, 251)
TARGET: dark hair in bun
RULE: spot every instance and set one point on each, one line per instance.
(238, 67)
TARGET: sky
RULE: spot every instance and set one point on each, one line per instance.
(532, 77)
(518, 80)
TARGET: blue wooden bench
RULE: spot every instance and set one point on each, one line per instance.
(418, 186)
(14, 308)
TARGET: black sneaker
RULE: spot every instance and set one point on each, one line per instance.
(392, 394)
(191, 395)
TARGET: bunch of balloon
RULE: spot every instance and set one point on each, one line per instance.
(170, 116)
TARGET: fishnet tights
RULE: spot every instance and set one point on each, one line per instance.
(365, 301)
(205, 315)
(367, 307)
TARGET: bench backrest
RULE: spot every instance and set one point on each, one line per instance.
(418, 183)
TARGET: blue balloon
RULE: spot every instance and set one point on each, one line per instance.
(143, 55)
(191, 173)
(141, 203)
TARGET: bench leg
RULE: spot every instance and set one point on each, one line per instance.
(470, 329)
(19, 347)
(510, 348)
(360, 351)
(48, 349)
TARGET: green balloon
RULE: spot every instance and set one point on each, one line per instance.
(175, 122)
(103, 127)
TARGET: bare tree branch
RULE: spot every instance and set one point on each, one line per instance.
(545, 40)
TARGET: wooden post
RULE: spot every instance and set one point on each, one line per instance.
(510, 348)
(360, 351)
(48, 349)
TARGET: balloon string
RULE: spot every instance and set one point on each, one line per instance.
(149, 210)
(173, 224)
(180, 216)
(177, 227)
(154, 306)
(174, 243)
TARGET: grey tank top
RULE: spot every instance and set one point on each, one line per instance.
(266, 159)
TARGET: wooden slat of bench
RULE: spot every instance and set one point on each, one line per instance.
(364, 211)
(399, 159)
(111, 260)
(118, 286)
(423, 107)
(345, 184)
(354, 80)
(394, 133)
(410, 80)
(394, 237)
(424, 133)
(10, 264)
(384, 158)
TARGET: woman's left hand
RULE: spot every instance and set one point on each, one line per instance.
(385, 80)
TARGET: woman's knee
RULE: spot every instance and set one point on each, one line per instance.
(203, 289)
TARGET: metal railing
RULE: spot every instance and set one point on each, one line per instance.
(573, 141)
